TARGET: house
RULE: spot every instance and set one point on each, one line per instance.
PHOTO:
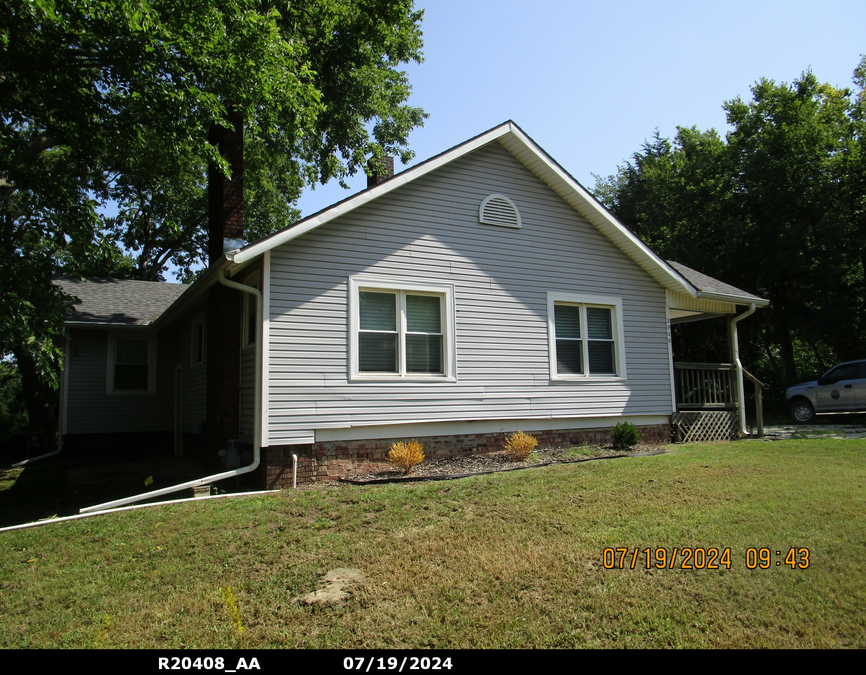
(480, 292)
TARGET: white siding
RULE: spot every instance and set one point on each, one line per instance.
(194, 387)
(428, 231)
(248, 379)
(90, 410)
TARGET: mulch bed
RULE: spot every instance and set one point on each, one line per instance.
(473, 465)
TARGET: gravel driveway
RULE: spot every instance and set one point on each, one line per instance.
(825, 430)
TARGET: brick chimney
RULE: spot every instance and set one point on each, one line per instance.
(224, 305)
(226, 196)
(376, 178)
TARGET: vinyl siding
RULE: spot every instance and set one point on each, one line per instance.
(194, 387)
(91, 410)
(248, 379)
(428, 232)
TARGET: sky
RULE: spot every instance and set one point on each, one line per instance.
(591, 81)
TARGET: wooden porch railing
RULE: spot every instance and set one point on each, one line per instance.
(713, 386)
(706, 386)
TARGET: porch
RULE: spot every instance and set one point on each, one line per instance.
(710, 397)
(707, 402)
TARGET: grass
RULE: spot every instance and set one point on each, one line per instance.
(509, 560)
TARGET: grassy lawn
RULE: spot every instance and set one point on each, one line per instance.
(510, 560)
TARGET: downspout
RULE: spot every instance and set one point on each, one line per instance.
(735, 348)
(257, 422)
(61, 418)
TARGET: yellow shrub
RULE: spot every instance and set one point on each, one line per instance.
(406, 455)
(520, 445)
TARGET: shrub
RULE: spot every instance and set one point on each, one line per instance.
(406, 455)
(520, 445)
(624, 436)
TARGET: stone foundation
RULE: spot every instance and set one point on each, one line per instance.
(335, 459)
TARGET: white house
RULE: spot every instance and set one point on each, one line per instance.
(480, 292)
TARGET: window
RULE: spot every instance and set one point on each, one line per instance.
(131, 365)
(196, 351)
(585, 336)
(400, 330)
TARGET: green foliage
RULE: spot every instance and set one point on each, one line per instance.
(624, 435)
(112, 100)
(13, 411)
(775, 208)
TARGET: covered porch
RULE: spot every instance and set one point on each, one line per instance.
(710, 398)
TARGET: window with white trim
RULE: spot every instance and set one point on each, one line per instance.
(400, 330)
(585, 336)
(131, 367)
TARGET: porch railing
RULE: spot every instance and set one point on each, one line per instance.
(706, 386)
(713, 386)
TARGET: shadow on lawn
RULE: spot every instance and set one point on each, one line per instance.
(61, 485)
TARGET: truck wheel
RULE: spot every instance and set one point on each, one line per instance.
(802, 412)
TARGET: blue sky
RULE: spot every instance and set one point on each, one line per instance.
(590, 81)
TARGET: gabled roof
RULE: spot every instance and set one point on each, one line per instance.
(117, 302)
(676, 278)
(531, 155)
(713, 289)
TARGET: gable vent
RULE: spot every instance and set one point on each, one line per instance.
(499, 210)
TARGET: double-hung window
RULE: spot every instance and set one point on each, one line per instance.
(131, 365)
(585, 336)
(400, 330)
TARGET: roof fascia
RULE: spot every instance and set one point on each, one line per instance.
(567, 187)
(194, 292)
(108, 324)
(370, 194)
(528, 152)
(736, 299)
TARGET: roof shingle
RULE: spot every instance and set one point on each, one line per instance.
(119, 302)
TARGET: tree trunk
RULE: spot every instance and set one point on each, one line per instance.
(36, 395)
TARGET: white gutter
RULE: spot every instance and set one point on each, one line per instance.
(36, 459)
(257, 424)
(735, 348)
(736, 299)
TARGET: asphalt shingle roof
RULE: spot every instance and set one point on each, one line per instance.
(707, 284)
(118, 301)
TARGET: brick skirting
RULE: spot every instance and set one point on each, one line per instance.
(335, 459)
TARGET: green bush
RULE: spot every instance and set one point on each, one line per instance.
(624, 436)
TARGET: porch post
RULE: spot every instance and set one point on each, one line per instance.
(735, 350)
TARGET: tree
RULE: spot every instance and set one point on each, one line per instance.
(777, 207)
(116, 98)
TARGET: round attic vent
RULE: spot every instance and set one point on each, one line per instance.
(499, 210)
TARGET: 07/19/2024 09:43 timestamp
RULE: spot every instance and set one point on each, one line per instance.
(698, 558)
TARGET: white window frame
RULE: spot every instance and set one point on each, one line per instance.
(198, 320)
(583, 301)
(401, 287)
(112, 358)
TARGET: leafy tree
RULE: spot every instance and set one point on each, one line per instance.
(776, 208)
(116, 99)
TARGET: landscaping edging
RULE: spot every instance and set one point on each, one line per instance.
(454, 476)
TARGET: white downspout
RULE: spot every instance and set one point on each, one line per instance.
(257, 423)
(735, 348)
